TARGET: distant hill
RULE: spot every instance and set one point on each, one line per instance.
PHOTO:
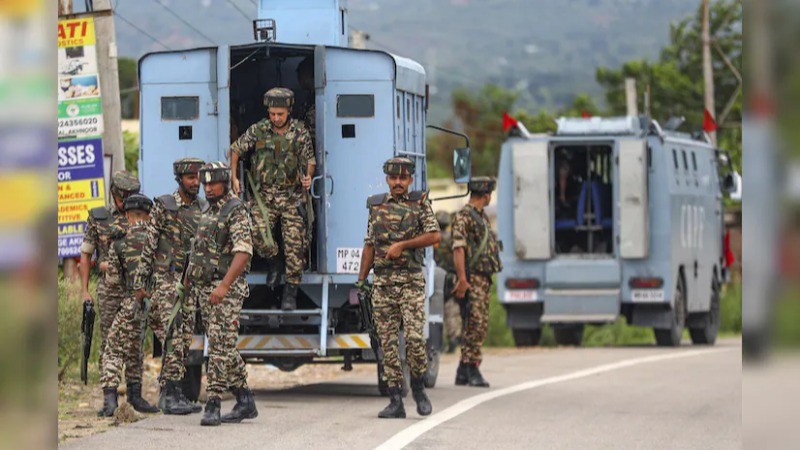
(548, 49)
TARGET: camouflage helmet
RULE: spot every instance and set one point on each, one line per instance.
(124, 183)
(137, 202)
(443, 217)
(398, 166)
(279, 97)
(215, 171)
(482, 185)
(187, 165)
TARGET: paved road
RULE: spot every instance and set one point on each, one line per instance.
(642, 397)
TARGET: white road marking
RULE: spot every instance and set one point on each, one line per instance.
(408, 435)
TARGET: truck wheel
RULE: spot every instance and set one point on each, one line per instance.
(526, 338)
(568, 334)
(433, 368)
(707, 334)
(671, 337)
(191, 381)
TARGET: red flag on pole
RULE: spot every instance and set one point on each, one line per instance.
(508, 122)
(730, 258)
(586, 114)
(709, 124)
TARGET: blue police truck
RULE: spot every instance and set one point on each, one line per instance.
(611, 217)
(370, 106)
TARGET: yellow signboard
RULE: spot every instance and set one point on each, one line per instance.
(75, 32)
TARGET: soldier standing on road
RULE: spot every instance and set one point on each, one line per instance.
(443, 254)
(220, 259)
(124, 341)
(476, 255)
(283, 165)
(174, 219)
(102, 222)
(401, 224)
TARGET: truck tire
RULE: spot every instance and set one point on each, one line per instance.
(571, 335)
(671, 337)
(433, 368)
(707, 334)
(526, 338)
(192, 380)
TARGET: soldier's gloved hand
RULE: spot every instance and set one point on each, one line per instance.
(363, 286)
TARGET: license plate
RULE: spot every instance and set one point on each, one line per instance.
(348, 260)
(519, 295)
(647, 295)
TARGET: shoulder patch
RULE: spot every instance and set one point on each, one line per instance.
(375, 200)
(418, 196)
(99, 213)
(169, 202)
(229, 206)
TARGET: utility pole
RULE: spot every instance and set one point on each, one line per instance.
(708, 71)
(109, 83)
(631, 106)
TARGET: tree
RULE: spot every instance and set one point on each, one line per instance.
(479, 115)
(676, 79)
(128, 83)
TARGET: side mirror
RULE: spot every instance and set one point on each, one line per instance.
(732, 183)
(462, 165)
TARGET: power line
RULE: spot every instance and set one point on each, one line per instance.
(117, 14)
(244, 14)
(177, 16)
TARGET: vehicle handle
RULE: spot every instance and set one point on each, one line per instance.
(314, 185)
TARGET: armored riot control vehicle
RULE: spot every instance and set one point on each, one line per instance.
(611, 217)
(370, 106)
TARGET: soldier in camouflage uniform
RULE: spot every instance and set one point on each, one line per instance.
(476, 255)
(401, 224)
(174, 219)
(124, 341)
(282, 165)
(97, 237)
(443, 254)
(220, 259)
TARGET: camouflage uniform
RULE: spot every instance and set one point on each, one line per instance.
(103, 222)
(452, 312)
(278, 164)
(224, 229)
(399, 286)
(173, 226)
(124, 344)
(469, 228)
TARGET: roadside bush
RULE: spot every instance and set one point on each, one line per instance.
(70, 342)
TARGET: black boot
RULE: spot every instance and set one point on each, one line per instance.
(395, 410)
(109, 402)
(462, 377)
(289, 302)
(211, 415)
(170, 401)
(135, 399)
(196, 408)
(424, 406)
(245, 407)
(475, 377)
